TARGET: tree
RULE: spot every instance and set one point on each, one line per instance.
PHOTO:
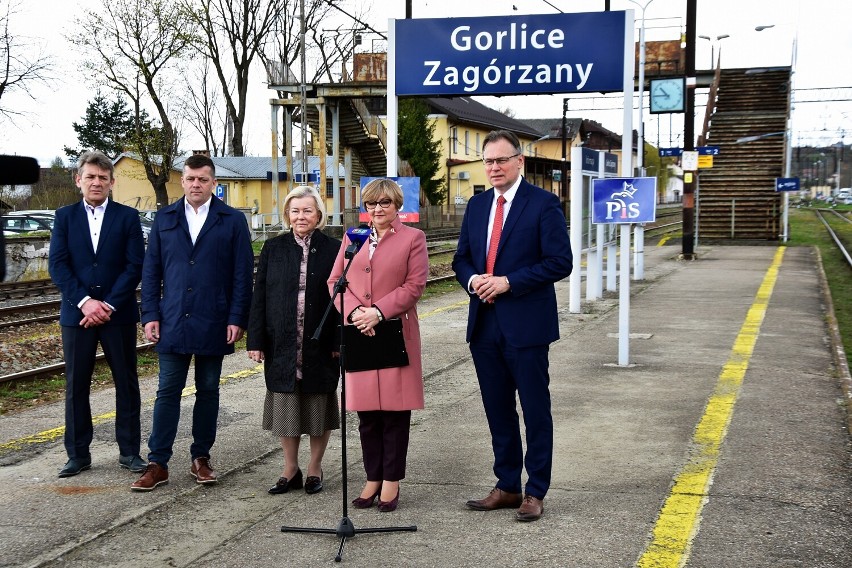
(22, 64)
(107, 126)
(136, 49)
(202, 110)
(54, 188)
(419, 148)
(233, 33)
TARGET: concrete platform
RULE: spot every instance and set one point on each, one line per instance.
(723, 443)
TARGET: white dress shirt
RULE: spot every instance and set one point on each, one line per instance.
(95, 215)
(195, 219)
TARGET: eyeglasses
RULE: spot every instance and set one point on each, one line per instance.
(499, 161)
(384, 204)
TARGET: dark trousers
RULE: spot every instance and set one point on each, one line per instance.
(384, 443)
(174, 369)
(502, 371)
(79, 345)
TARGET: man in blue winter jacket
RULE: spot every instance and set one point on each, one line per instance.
(196, 294)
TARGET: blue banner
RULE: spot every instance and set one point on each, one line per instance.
(624, 200)
(410, 210)
(503, 55)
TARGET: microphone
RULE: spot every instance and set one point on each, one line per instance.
(18, 170)
(357, 237)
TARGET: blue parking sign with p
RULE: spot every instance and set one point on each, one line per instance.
(624, 200)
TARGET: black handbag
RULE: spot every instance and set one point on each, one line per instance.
(384, 350)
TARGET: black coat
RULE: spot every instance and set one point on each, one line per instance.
(272, 320)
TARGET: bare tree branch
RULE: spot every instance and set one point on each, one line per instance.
(202, 108)
(23, 63)
(136, 48)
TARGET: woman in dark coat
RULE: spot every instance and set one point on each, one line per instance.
(290, 298)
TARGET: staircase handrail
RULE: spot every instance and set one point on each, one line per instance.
(711, 105)
(372, 124)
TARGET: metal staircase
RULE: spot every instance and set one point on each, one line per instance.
(747, 119)
(360, 130)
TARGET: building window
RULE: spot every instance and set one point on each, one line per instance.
(467, 142)
(455, 137)
(329, 188)
(478, 144)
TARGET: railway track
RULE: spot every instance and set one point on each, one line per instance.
(27, 289)
(839, 228)
(56, 369)
(435, 242)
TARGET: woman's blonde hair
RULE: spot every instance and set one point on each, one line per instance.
(298, 193)
(375, 189)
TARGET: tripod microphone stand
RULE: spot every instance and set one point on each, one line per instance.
(345, 528)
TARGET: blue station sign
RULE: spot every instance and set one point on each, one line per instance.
(668, 152)
(787, 184)
(624, 200)
(499, 55)
(708, 150)
(592, 160)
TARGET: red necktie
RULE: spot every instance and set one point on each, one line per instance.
(496, 229)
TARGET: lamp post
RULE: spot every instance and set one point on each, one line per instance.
(788, 138)
(719, 38)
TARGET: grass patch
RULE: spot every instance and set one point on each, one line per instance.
(806, 229)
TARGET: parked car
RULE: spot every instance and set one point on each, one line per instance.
(147, 223)
(16, 223)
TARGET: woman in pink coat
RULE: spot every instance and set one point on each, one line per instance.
(386, 278)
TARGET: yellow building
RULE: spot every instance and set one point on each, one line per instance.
(242, 182)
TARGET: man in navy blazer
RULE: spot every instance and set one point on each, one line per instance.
(96, 252)
(512, 319)
(196, 294)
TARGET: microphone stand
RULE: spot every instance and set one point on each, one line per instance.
(345, 528)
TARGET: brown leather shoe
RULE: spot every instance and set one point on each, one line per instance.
(202, 472)
(497, 499)
(531, 509)
(154, 475)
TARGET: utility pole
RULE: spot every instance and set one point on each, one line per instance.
(690, 181)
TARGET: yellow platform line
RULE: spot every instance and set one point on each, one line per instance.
(53, 434)
(680, 515)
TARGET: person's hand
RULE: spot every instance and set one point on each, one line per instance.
(95, 313)
(235, 333)
(256, 356)
(366, 319)
(152, 331)
(489, 286)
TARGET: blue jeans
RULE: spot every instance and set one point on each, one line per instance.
(174, 368)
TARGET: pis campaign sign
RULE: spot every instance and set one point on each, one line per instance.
(499, 55)
(624, 200)
(410, 210)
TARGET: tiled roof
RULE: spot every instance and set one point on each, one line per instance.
(472, 112)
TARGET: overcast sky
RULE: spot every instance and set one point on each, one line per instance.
(824, 60)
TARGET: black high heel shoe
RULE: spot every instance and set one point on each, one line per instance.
(388, 506)
(283, 485)
(366, 503)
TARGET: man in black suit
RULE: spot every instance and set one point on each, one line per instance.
(96, 253)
